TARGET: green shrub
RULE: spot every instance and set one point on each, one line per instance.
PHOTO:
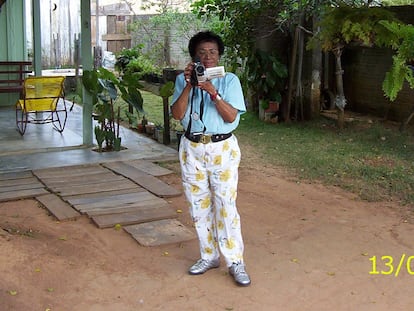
(133, 61)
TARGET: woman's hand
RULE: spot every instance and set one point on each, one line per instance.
(208, 87)
(188, 70)
(205, 86)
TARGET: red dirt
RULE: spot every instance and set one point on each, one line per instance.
(308, 247)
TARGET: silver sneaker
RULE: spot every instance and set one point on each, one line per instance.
(238, 271)
(203, 265)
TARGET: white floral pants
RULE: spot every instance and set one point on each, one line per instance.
(210, 177)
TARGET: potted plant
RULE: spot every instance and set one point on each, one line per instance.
(134, 62)
(266, 76)
(142, 124)
(150, 128)
(159, 133)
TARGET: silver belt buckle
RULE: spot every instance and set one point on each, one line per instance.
(205, 139)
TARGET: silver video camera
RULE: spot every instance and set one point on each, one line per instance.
(202, 74)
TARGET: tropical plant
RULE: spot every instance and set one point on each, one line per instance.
(103, 87)
(167, 90)
(401, 40)
(266, 75)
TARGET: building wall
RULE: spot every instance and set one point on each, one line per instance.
(13, 47)
(60, 25)
(364, 72)
(12, 21)
(175, 40)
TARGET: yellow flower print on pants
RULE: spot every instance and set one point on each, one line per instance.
(210, 176)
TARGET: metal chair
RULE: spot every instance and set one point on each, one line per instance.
(43, 102)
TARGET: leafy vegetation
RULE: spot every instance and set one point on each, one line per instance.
(103, 86)
(133, 62)
(239, 23)
(344, 25)
(401, 40)
(266, 76)
(156, 32)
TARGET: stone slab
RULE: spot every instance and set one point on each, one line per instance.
(161, 232)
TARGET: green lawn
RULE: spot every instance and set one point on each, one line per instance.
(372, 160)
(153, 107)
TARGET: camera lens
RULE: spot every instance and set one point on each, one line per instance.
(199, 69)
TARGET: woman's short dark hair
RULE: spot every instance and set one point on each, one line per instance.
(205, 36)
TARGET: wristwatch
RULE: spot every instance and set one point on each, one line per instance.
(215, 97)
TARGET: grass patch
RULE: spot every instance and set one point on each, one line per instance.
(153, 107)
(371, 160)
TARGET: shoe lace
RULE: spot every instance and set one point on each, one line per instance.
(239, 269)
(202, 263)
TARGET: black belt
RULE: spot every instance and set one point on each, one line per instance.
(205, 139)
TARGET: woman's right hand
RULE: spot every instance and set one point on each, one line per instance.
(187, 72)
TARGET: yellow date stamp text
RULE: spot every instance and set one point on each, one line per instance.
(387, 265)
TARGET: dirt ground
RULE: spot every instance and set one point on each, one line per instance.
(307, 247)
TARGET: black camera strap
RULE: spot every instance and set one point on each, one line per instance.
(188, 130)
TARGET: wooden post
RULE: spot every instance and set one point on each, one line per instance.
(166, 121)
(87, 64)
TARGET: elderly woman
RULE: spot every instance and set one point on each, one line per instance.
(209, 110)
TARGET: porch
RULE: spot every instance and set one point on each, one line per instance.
(44, 147)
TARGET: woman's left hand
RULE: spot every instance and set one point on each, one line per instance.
(208, 87)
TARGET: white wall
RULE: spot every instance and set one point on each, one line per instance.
(60, 23)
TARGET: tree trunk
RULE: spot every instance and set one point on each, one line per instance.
(315, 106)
(404, 124)
(292, 69)
(340, 100)
(299, 86)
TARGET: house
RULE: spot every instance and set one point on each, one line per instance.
(13, 26)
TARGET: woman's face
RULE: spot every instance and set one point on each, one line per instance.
(208, 53)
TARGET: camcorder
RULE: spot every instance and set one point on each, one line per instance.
(202, 74)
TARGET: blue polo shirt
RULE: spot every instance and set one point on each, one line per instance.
(230, 90)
